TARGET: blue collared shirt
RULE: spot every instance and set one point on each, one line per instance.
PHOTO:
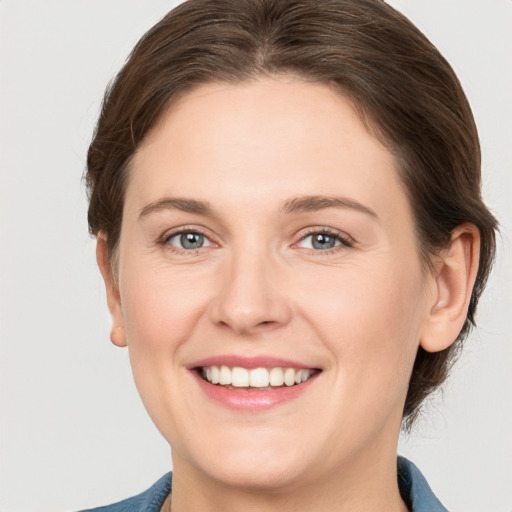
(415, 490)
(413, 487)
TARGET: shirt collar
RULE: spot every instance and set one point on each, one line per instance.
(415, 490)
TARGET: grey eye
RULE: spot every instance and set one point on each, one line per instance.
(189, 240)
(323, 241)
(320, 241)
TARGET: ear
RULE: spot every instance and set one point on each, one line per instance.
(453, 280)
(117, 333)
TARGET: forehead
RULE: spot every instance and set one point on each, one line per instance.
(241, 141)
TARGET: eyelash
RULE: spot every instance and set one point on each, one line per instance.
(345, 241)
(164, 241)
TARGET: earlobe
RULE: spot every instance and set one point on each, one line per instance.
(453, 283)
(117, 334)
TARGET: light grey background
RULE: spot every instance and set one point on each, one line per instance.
(73, 431)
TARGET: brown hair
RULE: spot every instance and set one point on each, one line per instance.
(405, 91)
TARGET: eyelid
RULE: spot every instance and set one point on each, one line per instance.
(345, 240)
(163, 240)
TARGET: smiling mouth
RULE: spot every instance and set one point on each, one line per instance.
(256, 378)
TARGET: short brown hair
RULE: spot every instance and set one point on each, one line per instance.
(405, 91)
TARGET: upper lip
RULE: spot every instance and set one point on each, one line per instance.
(232, 360)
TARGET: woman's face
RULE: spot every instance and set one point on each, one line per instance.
(265, 230)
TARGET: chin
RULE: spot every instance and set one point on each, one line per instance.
(258, 466)
(257, 474)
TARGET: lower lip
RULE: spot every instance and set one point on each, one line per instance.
(253, 400)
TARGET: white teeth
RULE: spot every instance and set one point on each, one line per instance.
(225, 376)
(303, 375)
(259, 378)
(239, 377)
(276, 377)
(215, 374)
(256, 378)
(289, 376)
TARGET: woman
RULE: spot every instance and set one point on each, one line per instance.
(286, 199)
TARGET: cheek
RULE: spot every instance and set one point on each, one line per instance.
(160, 307)
(161, 310)
(369, 318)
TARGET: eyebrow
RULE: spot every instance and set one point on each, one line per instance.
(295, 205)
(176, 203)
(314, 203)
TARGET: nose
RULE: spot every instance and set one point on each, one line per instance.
(252, 294)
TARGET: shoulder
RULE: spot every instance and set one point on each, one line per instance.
(415, 490)
(150, 500)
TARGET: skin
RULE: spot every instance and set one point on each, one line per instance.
(358, 311)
